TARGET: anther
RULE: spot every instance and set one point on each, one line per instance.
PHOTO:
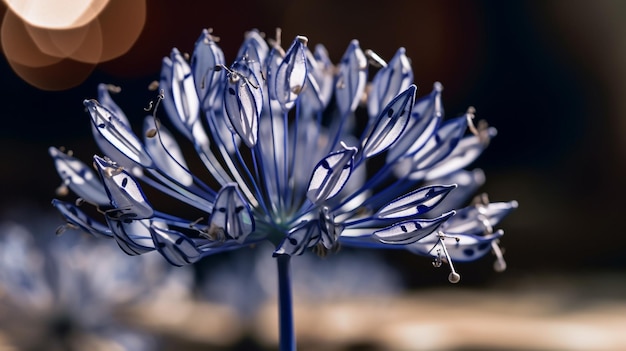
(62, 190)
(275, 43)
(215, 233)
(79, 201)
(60, 229)
(500, 264)
(480, 200)
(453, 277)
(151, 133)
(296, 89)
(374, 59)
(154, 85)
(210, 36)
(302, 39)
(113, 88)
(470, 121)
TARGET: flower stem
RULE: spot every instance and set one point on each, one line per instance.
(285, 306)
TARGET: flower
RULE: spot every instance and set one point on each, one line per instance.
(74, 293)
(298, 151)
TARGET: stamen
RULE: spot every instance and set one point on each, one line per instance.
(374, 59)
(151, 133)
(209, 35)
(109, 172)
(234, 76)
(154, 85)
(79, 201)
(62, 190)
(302, 39)
(500, 264)
(113, 88)
(193, 224)
(62, 228)
(481, 200)
(215, 233)
(453, 277)
(150, 104)
(470, 114)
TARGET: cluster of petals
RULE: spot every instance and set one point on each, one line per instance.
(297, 150)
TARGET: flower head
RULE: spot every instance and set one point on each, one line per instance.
(298, 151)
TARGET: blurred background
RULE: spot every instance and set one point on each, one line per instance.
(550, 76)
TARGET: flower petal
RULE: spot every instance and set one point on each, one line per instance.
(104, 98)
(389, 82)
(77, 217)
(243, 101)
(416, 202)
(467, 248)
(133, 237)
(425, 118)
(351, 79)
(390, 124)
(125, 194)
(254, 48)
(183, 91)
(79, 177)
(408, 232)
(165, 152)
(330, 175)
(207, 55)
(178, 249)
(299, 240)
(288, 82)
(232, 214)
(478, 219)
(117, 133)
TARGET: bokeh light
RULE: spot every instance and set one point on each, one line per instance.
(56, 45)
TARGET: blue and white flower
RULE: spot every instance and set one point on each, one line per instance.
(298, 151)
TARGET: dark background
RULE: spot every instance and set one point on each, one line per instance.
(550, 76)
